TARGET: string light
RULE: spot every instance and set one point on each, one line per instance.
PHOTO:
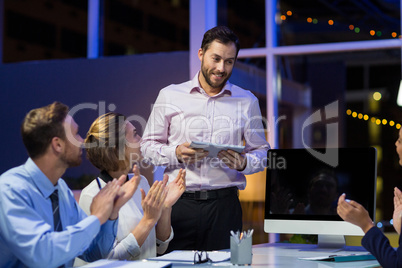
(374, 120)
(332, 22)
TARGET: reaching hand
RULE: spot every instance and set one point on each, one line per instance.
(188, 155)
(175, 188)
(126, 191)
(233, 159)
(152, 203)
(102, 204)
(397, 210)
(354, 213)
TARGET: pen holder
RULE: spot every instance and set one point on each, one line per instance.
(240, 253)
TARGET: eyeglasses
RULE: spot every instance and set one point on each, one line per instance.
(201, 257)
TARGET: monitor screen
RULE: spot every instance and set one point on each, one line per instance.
(303, 187)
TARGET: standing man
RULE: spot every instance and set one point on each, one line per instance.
(41, 223)
(207, 108)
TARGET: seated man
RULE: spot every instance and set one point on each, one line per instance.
(41, 223)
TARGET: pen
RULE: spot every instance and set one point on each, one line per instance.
(235, 237)
(250, 232)
(99, 185)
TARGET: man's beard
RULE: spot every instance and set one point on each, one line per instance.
(70, 160)
(204, 72)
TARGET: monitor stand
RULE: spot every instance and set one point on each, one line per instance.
(328, 243)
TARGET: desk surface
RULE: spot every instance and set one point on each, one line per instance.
(287, 255)
(276, 255)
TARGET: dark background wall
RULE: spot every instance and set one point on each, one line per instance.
(128, 83)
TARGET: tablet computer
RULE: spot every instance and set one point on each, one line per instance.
(214, 148)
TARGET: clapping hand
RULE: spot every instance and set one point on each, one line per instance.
(152, 203)
(397, 210)
(126, 191)
(102, 204)
(175, 188)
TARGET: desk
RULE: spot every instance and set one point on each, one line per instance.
(286, 255)
(274, 255)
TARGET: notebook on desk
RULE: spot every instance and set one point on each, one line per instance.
(341, 258)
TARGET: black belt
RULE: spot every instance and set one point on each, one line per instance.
(209, 194)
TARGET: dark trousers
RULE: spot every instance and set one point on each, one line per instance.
(205, 224)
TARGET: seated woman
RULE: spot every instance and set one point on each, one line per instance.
(374, 240)
(144, 228)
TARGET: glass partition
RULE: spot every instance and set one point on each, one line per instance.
(324, 21)
(361, 89)
(135, 27)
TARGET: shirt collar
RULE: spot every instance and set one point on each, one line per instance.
(106, 177)
(44, 185)
(195, 86)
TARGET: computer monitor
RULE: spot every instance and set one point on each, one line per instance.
(303, 187)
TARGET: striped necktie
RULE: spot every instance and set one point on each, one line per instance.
(56, 215)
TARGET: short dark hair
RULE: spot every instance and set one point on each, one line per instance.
(106, 142)
(221, 34)
(41, 125)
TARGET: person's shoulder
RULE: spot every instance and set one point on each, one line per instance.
(241, 92)
(91, 189)
(181, 87)
(17, 183)
(14, 176)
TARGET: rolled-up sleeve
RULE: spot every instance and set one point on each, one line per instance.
(256, 145)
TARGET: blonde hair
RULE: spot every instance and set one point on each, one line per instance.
(105, 142)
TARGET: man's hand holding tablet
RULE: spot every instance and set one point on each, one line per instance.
(214, 148)
(228, 154)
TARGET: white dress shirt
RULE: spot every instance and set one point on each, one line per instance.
(185, 113)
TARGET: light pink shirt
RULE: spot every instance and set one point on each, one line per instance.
(185, 113)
